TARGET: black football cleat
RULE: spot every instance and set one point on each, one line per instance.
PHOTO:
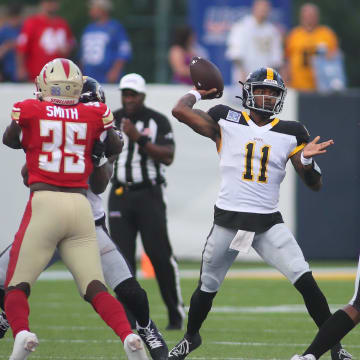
(185, 347)
(338, 353)
(154, 341)
(4, 325)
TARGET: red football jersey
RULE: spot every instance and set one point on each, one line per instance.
(41, 40)
(58, 139)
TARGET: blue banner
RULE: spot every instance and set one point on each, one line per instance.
(212, 20)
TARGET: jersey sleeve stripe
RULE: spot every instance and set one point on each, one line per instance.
(220, 142)
(297, 149)
(274, 122)
(246, 116)
(106, 113)
(16, 109)
(108, 125)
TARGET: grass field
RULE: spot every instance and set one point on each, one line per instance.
(251, 319)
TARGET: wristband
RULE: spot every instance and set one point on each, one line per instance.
(102, 162)
(142, 140)
(196, 94)
(305, 161)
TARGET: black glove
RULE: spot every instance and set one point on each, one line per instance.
(98, 152)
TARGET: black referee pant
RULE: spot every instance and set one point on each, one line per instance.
(143, 210)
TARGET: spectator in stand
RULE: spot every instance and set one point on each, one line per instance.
(254, 42)
(302, 43)
(44, 37)
(181, 52)
(9, 31)
(105, 47)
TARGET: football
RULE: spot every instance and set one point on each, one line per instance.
(205, 75)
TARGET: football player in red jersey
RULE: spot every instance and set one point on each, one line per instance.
(58, 133)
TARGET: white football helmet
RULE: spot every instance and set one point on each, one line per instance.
(60, 81)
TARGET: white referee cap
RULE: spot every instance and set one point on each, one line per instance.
(133, 82)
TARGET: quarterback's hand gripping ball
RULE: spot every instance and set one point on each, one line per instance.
(206, 76)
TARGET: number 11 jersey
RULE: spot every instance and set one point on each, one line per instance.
(253, 159)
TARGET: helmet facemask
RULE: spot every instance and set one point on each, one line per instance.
(250, 97)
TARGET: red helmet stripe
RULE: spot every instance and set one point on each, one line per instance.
(66, 66)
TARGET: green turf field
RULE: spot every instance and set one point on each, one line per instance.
(251, 319)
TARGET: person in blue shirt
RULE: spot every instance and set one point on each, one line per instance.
(8, 34)
(105, 47)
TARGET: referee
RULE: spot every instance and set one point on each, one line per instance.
(136, 202)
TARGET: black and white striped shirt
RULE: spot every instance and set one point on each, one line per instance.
(134, 165)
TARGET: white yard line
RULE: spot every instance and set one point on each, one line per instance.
(343, 273)
(275, 309)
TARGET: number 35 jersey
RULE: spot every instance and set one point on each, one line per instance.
(58, 140)
(253, 159)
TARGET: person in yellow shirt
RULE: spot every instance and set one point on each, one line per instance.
(302, 43)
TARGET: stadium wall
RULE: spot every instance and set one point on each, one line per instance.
(193, 178)
(328, 222)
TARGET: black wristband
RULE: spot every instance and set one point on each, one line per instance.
(142, 140)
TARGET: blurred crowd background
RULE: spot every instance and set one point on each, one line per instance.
(314, 46)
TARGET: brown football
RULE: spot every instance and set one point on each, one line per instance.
(205, 75)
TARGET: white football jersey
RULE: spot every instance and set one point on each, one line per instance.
(253, 159)
(96, 204)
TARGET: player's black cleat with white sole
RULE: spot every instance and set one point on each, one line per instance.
(154, 341)
(185, 347)
(338, 353)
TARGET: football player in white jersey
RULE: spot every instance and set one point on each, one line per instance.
(117, 273)
(253, 149)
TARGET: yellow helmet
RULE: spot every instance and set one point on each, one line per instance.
(60, 81)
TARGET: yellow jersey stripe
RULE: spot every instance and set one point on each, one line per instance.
(274, 122)
(220, 143)
(297, 149)
(246, 116)
(270, 73)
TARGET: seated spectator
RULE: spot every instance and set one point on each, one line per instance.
(302, 43)
(184, 48)
(105, 47)
(254, 42)
(44, 37)
(8, 34)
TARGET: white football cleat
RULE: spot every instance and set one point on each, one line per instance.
(134, 348)
(304, 357)
(25, 343)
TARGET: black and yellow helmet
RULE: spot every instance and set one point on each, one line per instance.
(263, 77)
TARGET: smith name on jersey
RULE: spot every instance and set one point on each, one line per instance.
(253, 159)
(61, 139)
